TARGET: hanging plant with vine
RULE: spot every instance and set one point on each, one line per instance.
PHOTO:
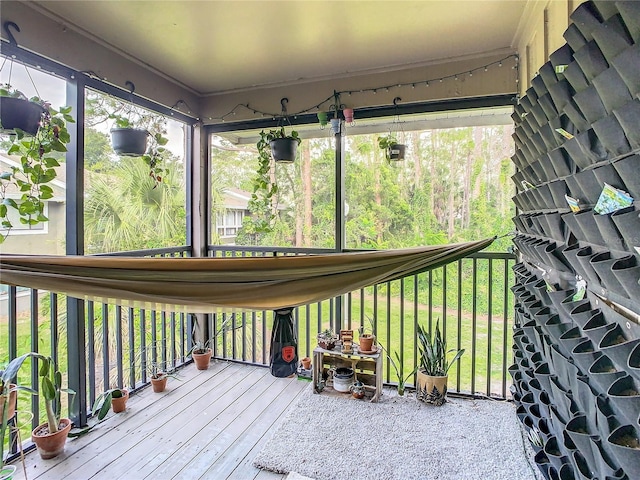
(26, 187)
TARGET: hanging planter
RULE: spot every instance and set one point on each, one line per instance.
(394, 151)
(130, 142)
(21, 114)
(283, 146)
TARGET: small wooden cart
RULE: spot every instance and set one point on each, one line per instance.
(367, 368)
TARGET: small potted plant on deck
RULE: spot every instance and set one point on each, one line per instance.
(201, 354)
(433, 366)
(327, 339)
(51, 436)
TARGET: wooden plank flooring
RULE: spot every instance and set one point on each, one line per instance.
(209, 425)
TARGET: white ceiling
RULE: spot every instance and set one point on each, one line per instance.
(221, 46)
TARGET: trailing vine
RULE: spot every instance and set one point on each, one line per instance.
(30, 179)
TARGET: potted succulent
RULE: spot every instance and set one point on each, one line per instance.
(8, 398)
(201, 354)
(26, 187)
(433, 366)
(327, 339)
(393, 150)
(51, 436)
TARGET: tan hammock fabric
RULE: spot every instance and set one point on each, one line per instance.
(199, 284)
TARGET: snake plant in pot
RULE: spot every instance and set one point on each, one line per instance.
(431, 382)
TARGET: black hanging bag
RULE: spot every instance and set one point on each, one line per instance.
(284, 345)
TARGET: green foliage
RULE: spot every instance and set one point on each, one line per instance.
(31, 179)
(8, 372)
(433, 352)
(50, 389)
(387, 141)
(263, 210)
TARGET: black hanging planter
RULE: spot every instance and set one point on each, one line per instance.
(131, 142)
(574, 38)
(627, 65)
(554, 453)
(609, 232)
(634, 362)
(627, 274)
(611, 89)
(617, 347)
(591, 60)
(612, 136)
(627, 221)
(542, 463)
(284, 149)
(587, 222)
(575, 77)
(624, 395)
(581, 435)
(625, 444)
(629, 117)
(584, 354)
(590, 104)
(602, 373)
(628, 169)
(630, 12)
(597, 327)
(602, 263)
(612, 37)
(20, 113)
(543, 374)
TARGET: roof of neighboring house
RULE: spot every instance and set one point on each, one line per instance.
(58, 184)
(236, 198)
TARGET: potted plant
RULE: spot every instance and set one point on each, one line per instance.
(201, 354)
(283, 146)
(17, 112)
(366, 341)
(51, 436)
(8, 399)
(433, 366)
(159, 377)
(398, 366)
(327, 339)
(128, 138)
(393, 150)
(26, 187)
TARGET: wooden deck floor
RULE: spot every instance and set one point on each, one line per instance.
(209, 425)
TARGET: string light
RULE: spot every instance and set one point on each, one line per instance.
(373, 90)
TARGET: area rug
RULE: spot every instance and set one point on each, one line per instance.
(336, 438)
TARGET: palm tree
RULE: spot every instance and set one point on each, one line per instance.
(126, 210)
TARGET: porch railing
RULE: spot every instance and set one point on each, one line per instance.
(121, 343)
(469, 298)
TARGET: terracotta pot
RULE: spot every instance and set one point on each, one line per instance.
(119, 404)
(160, 383)
(306, 363)
(366, 342)
(51, 445)
(202, 359)
(13, 398)
(431, 389)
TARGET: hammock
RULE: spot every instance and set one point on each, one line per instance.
(200, 284)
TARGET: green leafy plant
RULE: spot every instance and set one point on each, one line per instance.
(265, 190)
(99, 411)
(8, 372)
(200, 348)
(535, 438)
(433, 352)
(30, 180)
(51, 388)
(387, 141)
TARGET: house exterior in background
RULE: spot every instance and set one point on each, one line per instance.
(229, 221)
(44, 238)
